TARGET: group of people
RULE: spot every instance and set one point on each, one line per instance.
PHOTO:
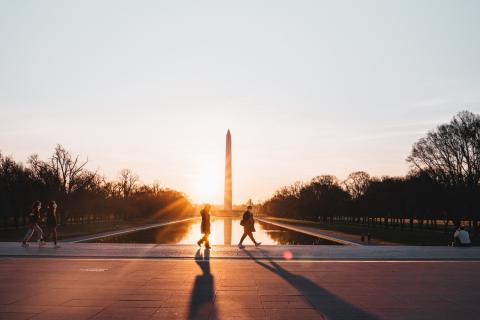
(36, 218)
(247, 222)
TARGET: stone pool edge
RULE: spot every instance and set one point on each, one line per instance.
(124, 231)
(308, 232)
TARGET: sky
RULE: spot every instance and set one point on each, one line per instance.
(306, 87)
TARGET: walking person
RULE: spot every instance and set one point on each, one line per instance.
(52, 222)
(248, 224)
(33, 225)
(205, 226)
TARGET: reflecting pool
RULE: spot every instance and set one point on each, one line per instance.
(225, 231)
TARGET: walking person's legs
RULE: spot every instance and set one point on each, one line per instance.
(207, 241)
(39, 232)
(250, 235)
(51, 232)
(244, 235)
(202, 239)
(47, 235)
(28, 235)
(55, 236)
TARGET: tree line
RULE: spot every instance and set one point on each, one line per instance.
(441, 189)
(84, 196)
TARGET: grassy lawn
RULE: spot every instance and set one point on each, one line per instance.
(404, 237)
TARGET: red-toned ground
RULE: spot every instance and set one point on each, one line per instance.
(47, 288)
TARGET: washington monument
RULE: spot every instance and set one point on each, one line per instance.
(227, 200)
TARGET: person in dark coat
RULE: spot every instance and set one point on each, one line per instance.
(248, 224)
(52, 222)
(205, 226)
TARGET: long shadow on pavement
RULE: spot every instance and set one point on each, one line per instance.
(325, 302)
(201, 302)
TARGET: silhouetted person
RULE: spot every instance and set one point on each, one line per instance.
(310, 290)
(201, 302)
(205, 226)
(248, 224)
(52, 222)
(33, 225)
(461, 237)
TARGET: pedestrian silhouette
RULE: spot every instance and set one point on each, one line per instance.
(201, 302)
(52, 222)
(248, 224)
(33, 225)
(205, 226)
(320, 298)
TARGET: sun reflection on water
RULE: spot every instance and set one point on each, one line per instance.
(224, 231)
(220, 232)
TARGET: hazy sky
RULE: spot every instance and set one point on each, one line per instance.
(306, 87)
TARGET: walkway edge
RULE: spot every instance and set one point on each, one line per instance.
(124, 231)
(310, 233)
(307, 252)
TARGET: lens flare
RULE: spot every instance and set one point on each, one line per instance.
(287, 255)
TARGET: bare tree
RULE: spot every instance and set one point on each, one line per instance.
(357, 184)
(69, 170)
(156, 188)
(127, 182)
(43, 172)
(111, 189)
(450, 155)
(451, 152)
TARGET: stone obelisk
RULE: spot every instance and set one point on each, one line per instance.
(227, 200)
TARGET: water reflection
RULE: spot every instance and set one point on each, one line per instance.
(227, 231)
(224, 231)
(280, 236)
(169, 234)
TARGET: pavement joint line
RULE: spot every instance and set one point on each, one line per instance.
(236, 260)
(310, 233)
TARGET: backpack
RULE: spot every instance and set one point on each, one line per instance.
(245, 218)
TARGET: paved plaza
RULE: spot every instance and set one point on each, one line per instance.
(153, 281)
(204, 287)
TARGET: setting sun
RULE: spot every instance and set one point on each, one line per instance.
(207, 182)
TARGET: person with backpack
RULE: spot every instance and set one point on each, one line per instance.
(248, 224)
(33, 225)
(205, 226)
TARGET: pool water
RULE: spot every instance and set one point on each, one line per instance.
(224, 231)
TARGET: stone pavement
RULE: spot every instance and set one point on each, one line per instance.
(333, 252)
(199, 288)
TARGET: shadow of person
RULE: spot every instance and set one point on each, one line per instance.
(325, 302)
(201, 301)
